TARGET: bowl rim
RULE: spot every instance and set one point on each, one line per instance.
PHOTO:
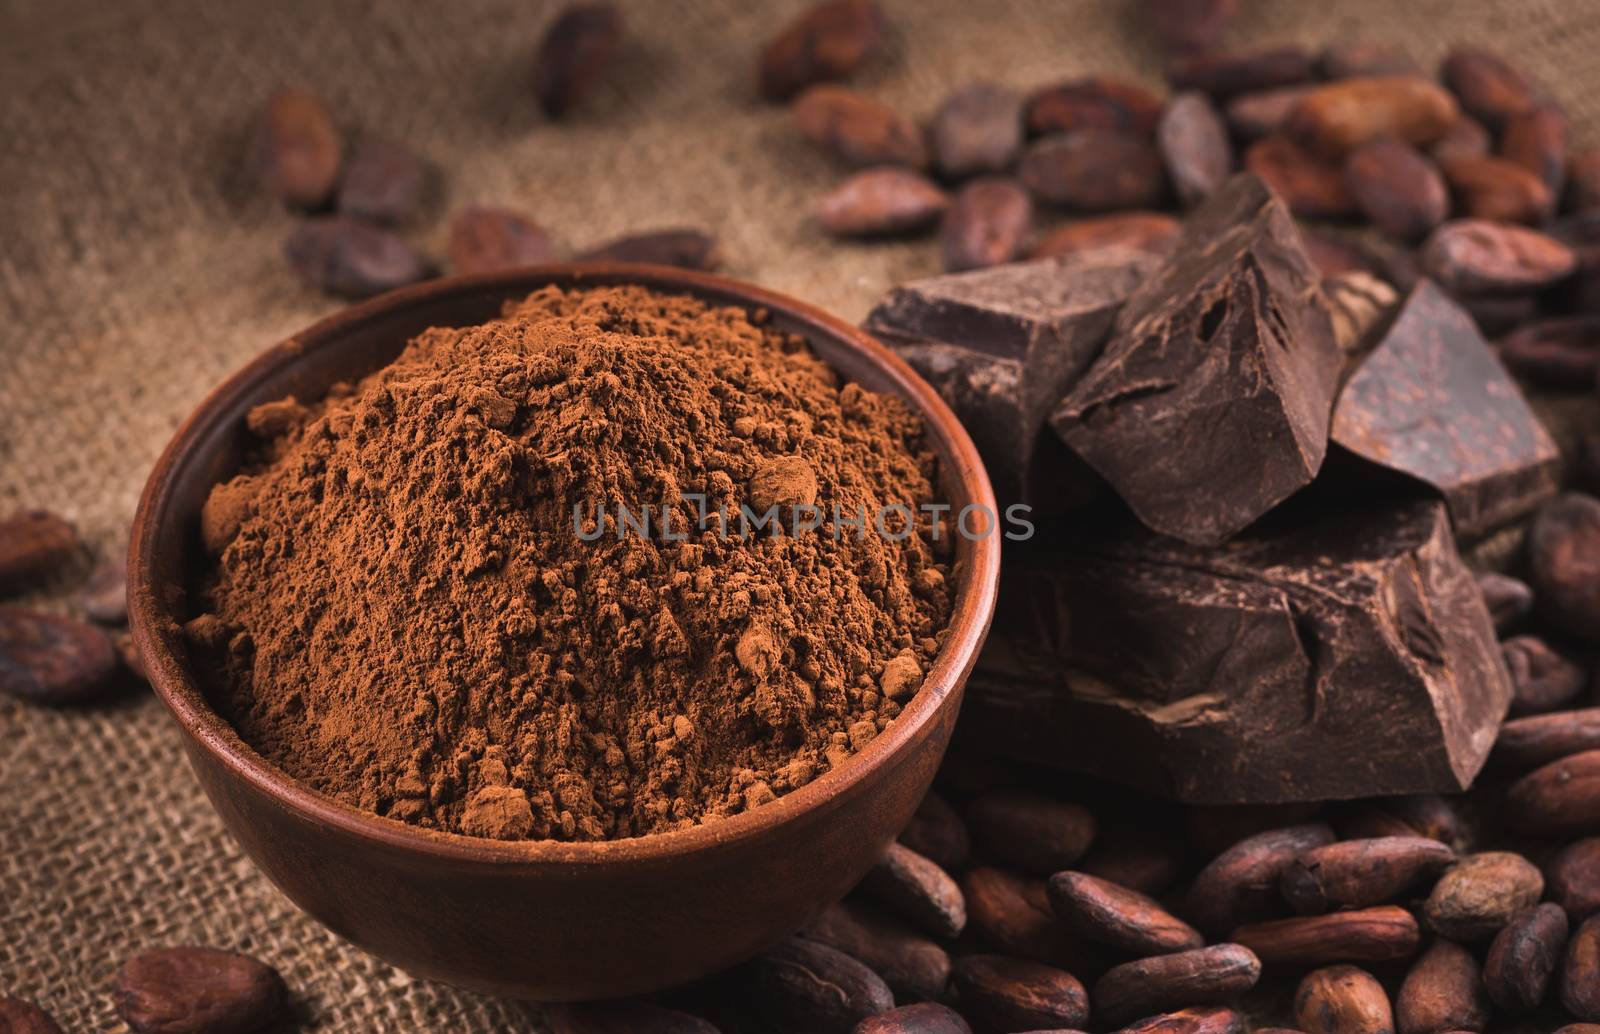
(155, 628)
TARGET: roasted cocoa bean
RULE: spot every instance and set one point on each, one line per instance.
(1526, 743)
(383, 182)
(1185, 26)
(1036, 834)
(484, 240)
(1572, 877)
(45, 659)
(1583, 180)
(1562, 352)
(1241, 884)
(1364, 60)
(857, 129)
(18, 1016)
(1580, 974)
(1561, 798)
(1489, 89)
(828, 42)
(1095, 102)
(1442, 993)
(1359, 306)
(1151, 232)
(1002, 993)
(1199, 977)
(1336, 118)
(1564, 560)
(1524, 956)
(1342, 1000)
(31, 543)
(1475, 255)
(1335, 254)
(915, 968)
(938, 832)
(574, 54)
(1542, 677)
(917, 889)
(1466, 139)
(1310, 186)
(1365, 935)
(922, 1018)
(1108, 914)
(1147, 861)
(1012, 914)
(1396, 188)
(104, 598)
(683, 248)
(1480, 894)
(1203, 1020)
(349, 258)
(190, 990)
(297, 149)
(978, 129)
(1497, 189)
(623, 1017)
(1223, 75)
(1536, 139)
(1422, 814)
(1095, 170)
(881, 202)
(1193, 141)
(1357, 873)
(985, 225)
(811, 985)
(1255, 115)
(1509, 599)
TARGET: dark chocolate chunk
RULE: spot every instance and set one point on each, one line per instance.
(1001, 345)
(1209, 405)
(1431, 401)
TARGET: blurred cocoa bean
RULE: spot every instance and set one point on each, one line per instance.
(1542, 677)
(939, 832)
(1526, 743)
(1185, 26)
(1034, 833)
(978, 129)
(1562, 352)
(1152, 232)
(1223, 75)
(1396, 188)
(351, 259)
(52, 660)
(1564, 560)
(574, 53)
(1488, 88)
(1364, 60)
(18, 1016)
(1340, 116)
(827, 42)
(1310, 186)
(383, 182)
(1193, 141)
(1563, 797)
(1572, 877)
(485, 240)
(1497, 189)
(1255, 115)
(683, 248)
(985, 225)
(297, 150)
(1536, 139)
(1475, 255)
(31, 543)
(1509, 599)
(857, 129)
(1095, 102)
(1466, 139)
(881, 202)
(1095, 170)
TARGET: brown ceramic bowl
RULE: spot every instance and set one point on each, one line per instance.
(541, 919)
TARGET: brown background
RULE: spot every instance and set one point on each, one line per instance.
(139, 266)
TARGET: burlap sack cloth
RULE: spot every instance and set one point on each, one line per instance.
(140, 265)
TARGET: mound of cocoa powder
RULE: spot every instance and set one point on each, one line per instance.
(405, 612)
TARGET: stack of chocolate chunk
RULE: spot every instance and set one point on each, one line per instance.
(1249, 487)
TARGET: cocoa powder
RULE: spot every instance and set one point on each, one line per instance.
(406, 614)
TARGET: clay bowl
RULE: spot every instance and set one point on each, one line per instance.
(535, 919)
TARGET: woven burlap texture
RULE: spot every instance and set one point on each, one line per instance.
(140, 265)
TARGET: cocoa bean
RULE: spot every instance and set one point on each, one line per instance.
(1526, 743)
(189, 990)
(382, 182)
(18, 1016)
(1365, 935)
(1311, 187)
(914, 967)
(1543, 678)
(104, 598)
(297, 149)
(1335, 254)
(1095, 170)
(1147, 861)
(1095, 102)
(1342, 1000)
(1214, 828)
(1123, 918)
(985, 225)
(1336, 118)
(1572, 877)
(623, 1017)
(1442, 993)
(1498, 189)
(1203, 1020)
(1509, 599)
(857, 129)
(1037, 834)
(1580, 974)
(1203, 976)
(1241, 884)
(1583, 180)
(31, 543)
(1396, 188)
(922, 1018)
(1152, 232)
(45, 659)
(1185, 26)
(1223, 75)
(1475, 255)
(683, 248)
(977, 129)
(485, 240)
(1564, 560)
(1422, 814)
(1563, 797)
(1359, 306)
(1524, 956)
(1536, 139)
(345, 257)
(1480, 894)
(1489, 89)
(1562, 352)
(1466, 139)
(881, 202)
(1193, 141)
(917, 889)
(1012, 914)
(1004, 993)
(814, 986)
(1581, 233)
(1363, 60)
(574, 54)
(1357, 873)
(1497, 314)
(1255, 115)
(828, 42)
(938, 831)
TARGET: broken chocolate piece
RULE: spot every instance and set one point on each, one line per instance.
(1209, 405)
(1339, 649)
(1431, 401)
(1001, 345)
